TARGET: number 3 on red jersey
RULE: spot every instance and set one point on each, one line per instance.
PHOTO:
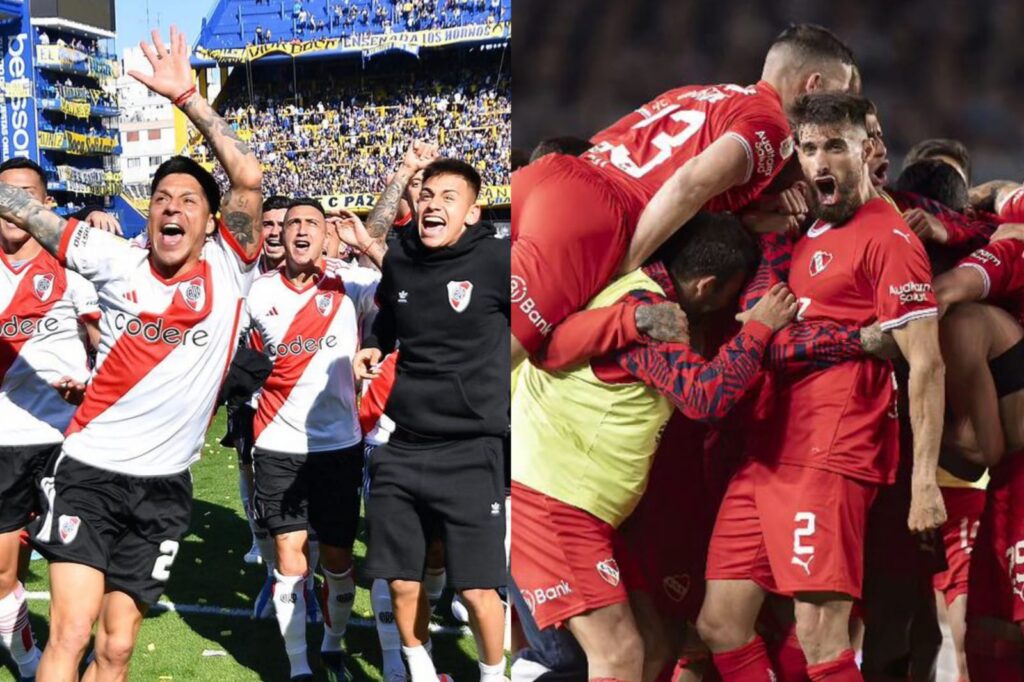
(619, 156)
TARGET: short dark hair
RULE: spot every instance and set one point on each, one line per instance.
(829, 108)
(454, 167)
(937, 146)
(18, 162)
(307, 201)
(183, 164)
(276, 202)
(565, 144)
(814, 42)
(936, 180)
(710, 244)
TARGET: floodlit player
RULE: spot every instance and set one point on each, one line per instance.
(793, 518)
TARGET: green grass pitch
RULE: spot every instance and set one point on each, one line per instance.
(209, 571)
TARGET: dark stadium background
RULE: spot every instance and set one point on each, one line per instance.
(942, 68)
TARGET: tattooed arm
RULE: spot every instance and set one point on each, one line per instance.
(19, 207)
(241, 207)
(418, 156)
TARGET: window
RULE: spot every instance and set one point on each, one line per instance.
(153, 134)
(133, 135)
(134, 163)
(154, 161)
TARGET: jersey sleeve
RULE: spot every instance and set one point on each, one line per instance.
(1012, 208)
(243, 269)
(767, 140)
(83, 297)
(96, 255)
(812, 345)
(366, 302)
(382, 333)
(897, 266)
(1001, 265)
(591, 333)
(963, 230)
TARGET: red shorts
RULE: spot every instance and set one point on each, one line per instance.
(792, 529)
(571, 226)
(996, 581)
(566, 561)
(963, 516)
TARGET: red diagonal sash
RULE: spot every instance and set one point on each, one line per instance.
(27, 307)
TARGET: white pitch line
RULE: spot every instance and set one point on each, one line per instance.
(207, 610)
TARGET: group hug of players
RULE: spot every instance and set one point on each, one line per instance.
(97, 451)
(762, 392)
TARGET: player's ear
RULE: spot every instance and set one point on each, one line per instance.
(211, 225)
(705, 286)
(473, 215)
(813, 82)
(867, 149)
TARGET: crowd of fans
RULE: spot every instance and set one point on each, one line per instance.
(332, 18)
(334, 143)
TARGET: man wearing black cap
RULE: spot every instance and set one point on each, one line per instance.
(444, 298)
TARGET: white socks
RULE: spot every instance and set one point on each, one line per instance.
(492, 673)
(341, 594)
(421, 667)
(433, 583)
(290, 608)
(16, 632)
(387, 631)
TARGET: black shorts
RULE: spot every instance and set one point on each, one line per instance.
(458, 485)
(128, 527)
(320, 489)
(21, 467)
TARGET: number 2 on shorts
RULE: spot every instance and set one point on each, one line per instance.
(162, 566)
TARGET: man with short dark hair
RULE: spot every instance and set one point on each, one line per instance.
(273, 224)
(119, 495)
(308, 445)
(443, 297)
(953, 152)
(715, 147)
(792, 521)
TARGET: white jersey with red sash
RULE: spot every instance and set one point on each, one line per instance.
(42, 340)
(165, 346)
(308, 403)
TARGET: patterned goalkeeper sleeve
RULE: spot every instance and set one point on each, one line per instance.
(805, 347)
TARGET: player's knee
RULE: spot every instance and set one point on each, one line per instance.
(715, 629)
(115, 649)
(479, 601)
(624, 649)
(404, 589)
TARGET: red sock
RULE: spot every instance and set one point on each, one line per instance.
(994, 659)
(788, 658)
(749, 663)
(843, 669)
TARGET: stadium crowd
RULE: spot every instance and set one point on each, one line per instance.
(768, 413)
(469, 114)
(285, 313)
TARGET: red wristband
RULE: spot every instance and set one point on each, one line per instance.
(180, 100)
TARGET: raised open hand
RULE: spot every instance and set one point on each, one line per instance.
(172, 73)
(420, 155)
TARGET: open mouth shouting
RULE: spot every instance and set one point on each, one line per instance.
(828, 189)
(300, 247)
(171, 235)
(880, 175)
(434, 225)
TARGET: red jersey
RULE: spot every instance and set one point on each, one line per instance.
(1012, 209)
(643, 149)
(843, 419)
(1001, 265)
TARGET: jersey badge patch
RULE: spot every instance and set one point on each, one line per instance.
(324, 304)
(820, 261)
(459, 294)
(43, 286)
(194, 293)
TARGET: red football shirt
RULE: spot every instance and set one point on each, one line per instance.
(1001, 265)
(843, 419)
(1012, 210)
(643, 149)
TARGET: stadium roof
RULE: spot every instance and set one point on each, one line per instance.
(69, 26)
(228, 32)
